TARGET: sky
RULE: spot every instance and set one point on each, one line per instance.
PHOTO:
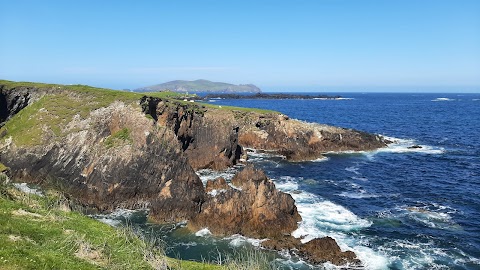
(317, 45)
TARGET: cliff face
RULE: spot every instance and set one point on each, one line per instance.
(94, 165)
(208, 140)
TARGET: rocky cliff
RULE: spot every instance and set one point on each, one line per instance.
(298, 140)
(107, 149)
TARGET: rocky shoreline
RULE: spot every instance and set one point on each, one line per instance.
(143, 151)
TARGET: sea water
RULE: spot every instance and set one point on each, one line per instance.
(396, 208)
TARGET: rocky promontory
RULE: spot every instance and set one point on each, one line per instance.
(107, 149)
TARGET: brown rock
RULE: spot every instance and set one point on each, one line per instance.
(316, 251)
(217, 184)
(255, 209)
(320, 250)
(298, 140)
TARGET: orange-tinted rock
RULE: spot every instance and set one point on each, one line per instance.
(316, 251)
(255, 209)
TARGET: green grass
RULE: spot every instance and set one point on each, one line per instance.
(119, 137)
(43, 120)
(38, 233)
(233, 108)
(3, 167)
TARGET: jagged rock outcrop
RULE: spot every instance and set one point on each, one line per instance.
(298, 140)
(316, 251)
(253, 207)
(12, 101)
(147, 169)
(209, 140)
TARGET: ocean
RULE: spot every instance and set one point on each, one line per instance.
(396, 208)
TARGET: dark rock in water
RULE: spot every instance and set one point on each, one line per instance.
(320, 250)
(414, 147)
(387, 141)
(316, 251)
(256, 209)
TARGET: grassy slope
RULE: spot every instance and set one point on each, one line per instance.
(52, 112)
(35, 233)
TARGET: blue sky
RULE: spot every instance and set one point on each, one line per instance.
(278, 45)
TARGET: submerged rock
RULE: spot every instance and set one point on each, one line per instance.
(415, 147)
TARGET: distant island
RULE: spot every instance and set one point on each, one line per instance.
(201, 86)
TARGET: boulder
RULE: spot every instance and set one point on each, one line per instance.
(316, 251)
(255, 208)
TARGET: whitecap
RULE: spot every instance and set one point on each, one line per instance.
(320, 159)
(434, 218)
(203, 232)
(208, 174)
(353, 169)
(408, 146)
(371, 259)
(110, 221)
(443, 99)
(116, 217)
(238, 240)
(23, 187)
(215, 192)
(358, 195)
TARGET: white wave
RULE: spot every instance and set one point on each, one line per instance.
(114, 218)
(342, 98)
(410, 254)
(238, 240)
(362, 194)
(208, 174)
(288, 184)
(262, 154)
(371, 259)
(203, 232)
(215, 192)
(322, 218)
(409, 146)
(321, 159)
(353, 169)
(212, 100)
(23, 187)
(433, 216)
(443, 99)
(109, 221)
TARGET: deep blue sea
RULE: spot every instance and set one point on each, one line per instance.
(396, 208)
